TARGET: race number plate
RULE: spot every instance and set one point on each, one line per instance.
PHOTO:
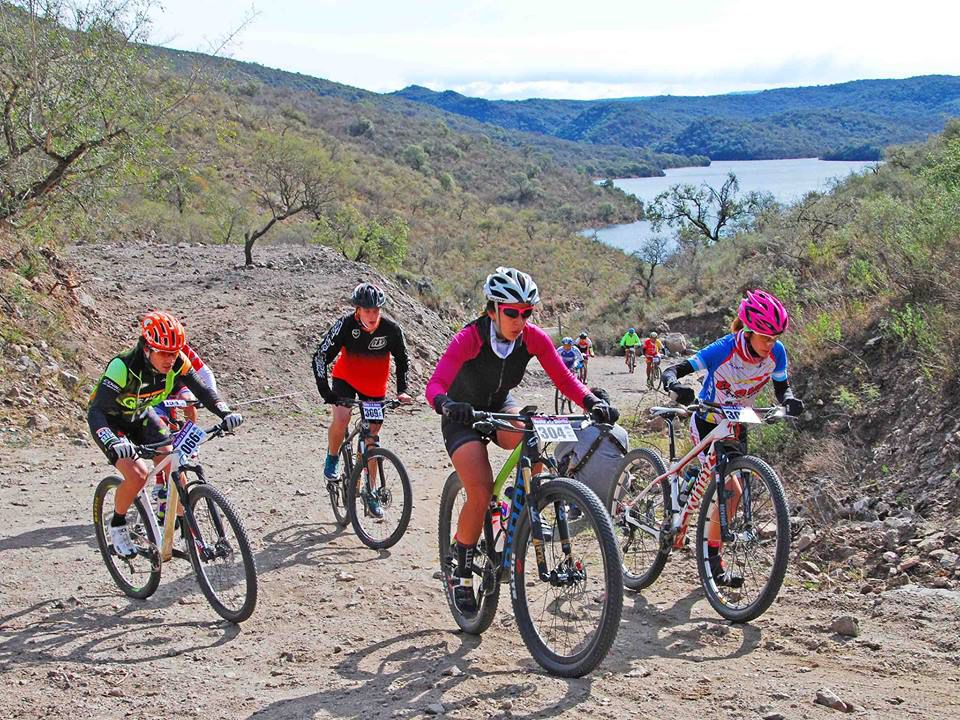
(735, 413)
(554, 430)
(174, 403)
(188, 439)
(372, 411)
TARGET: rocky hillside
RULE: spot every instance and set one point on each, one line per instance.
(257, 326)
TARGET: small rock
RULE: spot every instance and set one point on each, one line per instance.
(891, 557)
(638, 672)
(435, 709)
(344, 576)
(452, 671)
(774, 716)
(810, 567)
(804, 541)
(846, 625)
(946, 558)
(115, 692)
(826, 696)
(39, 421)
(910, 562)
(69, 380)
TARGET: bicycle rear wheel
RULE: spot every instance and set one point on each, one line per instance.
(485, 565)
(570, 621)
(337, 489)
(760, 550)
(639, 530)
(225, 567)
(139, 576)
(390, 490)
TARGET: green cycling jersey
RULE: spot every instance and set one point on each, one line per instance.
(630, 340)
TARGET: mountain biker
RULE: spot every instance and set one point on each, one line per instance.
(570, 355)
(121, 412)
(630, 341)
(652, 348)
(739, 365)
(482, 364)
(359, 345)
(585, 346)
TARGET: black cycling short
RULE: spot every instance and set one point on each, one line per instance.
(456, 434)
(344, 390)
(151, 428)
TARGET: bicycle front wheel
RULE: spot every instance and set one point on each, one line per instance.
(653, 377)
(221, 555)
(759, 552)
(569, 619)
(139, 576)
(485, 568)
(380, 506)
(639, 529)
(337, 489)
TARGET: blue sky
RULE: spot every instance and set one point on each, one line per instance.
(580, 50)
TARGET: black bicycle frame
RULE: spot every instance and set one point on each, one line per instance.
(527, 486)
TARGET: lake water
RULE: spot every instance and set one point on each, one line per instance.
(787, 180)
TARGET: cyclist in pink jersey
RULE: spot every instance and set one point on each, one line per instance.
(739, 366)
(482, 364)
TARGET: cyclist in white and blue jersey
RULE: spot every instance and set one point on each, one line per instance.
(570, 354)
(738, 366)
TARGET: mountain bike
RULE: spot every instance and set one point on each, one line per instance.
(565, 576)
(653, 372)
(631, 359)
(582, 370)
(215, 539)
(562, 405)
(651, 508)
(371, 474)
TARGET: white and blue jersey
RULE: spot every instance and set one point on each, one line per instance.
(734, 375)
(572, 358)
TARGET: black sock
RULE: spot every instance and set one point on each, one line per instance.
(465, 559)
(118, 520)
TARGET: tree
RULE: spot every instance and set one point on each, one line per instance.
(705, 212)
(381, 243)
(650, 256)
(78, 103)
(292, 176)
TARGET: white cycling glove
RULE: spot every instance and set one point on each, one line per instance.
(232, 421)
(123, 450)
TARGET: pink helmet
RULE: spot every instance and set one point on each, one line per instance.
(762, 313)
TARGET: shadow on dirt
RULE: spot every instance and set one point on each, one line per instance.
(680, 632)
(403, 676)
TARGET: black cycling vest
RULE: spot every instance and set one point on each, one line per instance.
(485, 380)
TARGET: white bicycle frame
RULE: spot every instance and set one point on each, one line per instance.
(172, 464)
(726, 429)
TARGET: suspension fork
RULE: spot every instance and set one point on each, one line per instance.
(721, 473)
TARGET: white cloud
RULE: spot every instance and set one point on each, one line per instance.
(583, 50)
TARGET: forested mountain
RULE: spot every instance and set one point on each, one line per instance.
(865, 115)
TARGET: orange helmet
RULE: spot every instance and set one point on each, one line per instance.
(162, 331)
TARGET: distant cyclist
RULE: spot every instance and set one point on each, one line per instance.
(585, 346)
(630, 342)
(484, 362)
(739, 366)
(122, 414)
(652, 348)
(571, 356)
(359, 345)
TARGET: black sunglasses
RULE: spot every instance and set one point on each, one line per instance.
(514, 313)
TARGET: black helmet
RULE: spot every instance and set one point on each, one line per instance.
(366, 295)
(583, 336)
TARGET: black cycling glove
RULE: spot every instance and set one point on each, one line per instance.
(794, 406)
(600, 410)
(681, 393)
(459, 412)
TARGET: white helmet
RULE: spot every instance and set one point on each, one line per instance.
(509, 285)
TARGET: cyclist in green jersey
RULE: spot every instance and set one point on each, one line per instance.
(630, 342)
(121, 410)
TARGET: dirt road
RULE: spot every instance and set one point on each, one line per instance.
(383, 645)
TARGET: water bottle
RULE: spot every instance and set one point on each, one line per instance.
(499, 512)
